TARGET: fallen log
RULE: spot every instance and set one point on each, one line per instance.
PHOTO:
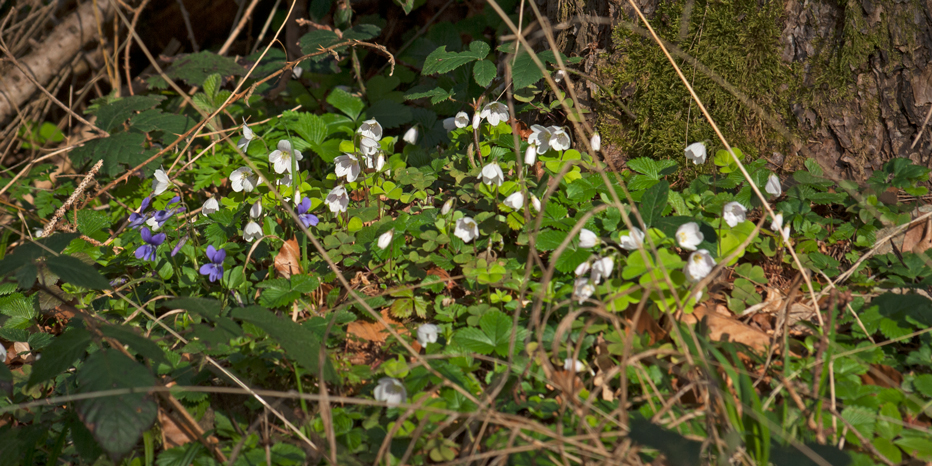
(49, 57)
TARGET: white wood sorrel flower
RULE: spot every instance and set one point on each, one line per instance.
(446, 207)
(602, 268)
(386, 239)
(539, 139)
(210, 206)
(587, 239)
(281, 157)
(492, 174)
(495, 113)
(371, 129)
(698, 266)
(596, 142)
(248, 136)
(696, 152)
(256, 209)
(559, 138)
(514, 201)
(252, 231)
(347, 166)
(734, 213)
(688, 236)
(390, 391)
(466, 229)
(337, 200)
(243, 179)
(161, 181)
(427, 333)
(583, 289)
(773, 185)
(574, 365)
(411, 135)
(633, 240)
(777, 226)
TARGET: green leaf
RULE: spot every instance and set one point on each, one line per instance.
(346, 103)
(653, 202)
(90, 221)
(72, 270)
(117, 151)
(436, 94)
(650, 167)
(548, 240)
(364, 31)
(407, 6)
(139, 344)
(17, 305)
(60, 355)
(298, 342)
(168, 123)
(209, 308)
(923, 384)
(117, 421)
(309, 126)
(194, 69)
(483, 72)
(916, 443)
(440, 61)
(211, 85)
(115, 112)
(389, 114)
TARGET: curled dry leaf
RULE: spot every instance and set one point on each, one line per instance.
(288, 259)
(722, 327)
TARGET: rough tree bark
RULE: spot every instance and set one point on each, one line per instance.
(877, 54)
(48, 58)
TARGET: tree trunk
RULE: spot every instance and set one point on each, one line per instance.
(846, 83)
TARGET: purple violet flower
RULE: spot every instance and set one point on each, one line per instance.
(307, 219)
(162, 216)
(214, 270)
(184, 239)
(146, 252)
(137, 219)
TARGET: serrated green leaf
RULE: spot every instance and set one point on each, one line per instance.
(299, 343)
(650, 167)
(346, 103)
(72, 270)
(8, 332)
(484, 72)
(60, 355)
(38, 341)
(923, 383)
(117, 151)
(115, 112)
(548, 240)
(138, 343)
(571, 258)
(440, 61)
(653, 202)
(117, 421)
(309, 126)
(17, 305)
(389, 114)
(90, 221)
(168, 123)
(436, 94)
(362, 31)
(916, 443)
(209, 308)
(195, 68)
(211, 85)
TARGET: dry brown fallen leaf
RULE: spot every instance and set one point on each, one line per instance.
(726, 328)
(288, 259)
(918, 238)
(365, 348)
(374, 331)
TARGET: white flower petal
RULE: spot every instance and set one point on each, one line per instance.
(371, 129)
(514, 201)
(411, 135)
(688, 236)
(587, 239)
(210, 206)
(773, 185)
(492, 174)
(583, 289)
(256, 209)
(596, 142)
(698, 266)
(466, 229)
(574, 365)
(632, 240)
(461, 120)
(390, 391)
(161, 182)
(696, 152)
(427, 333)
(252, 231)
(386, 239)
(337, 200)
(734, 213)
